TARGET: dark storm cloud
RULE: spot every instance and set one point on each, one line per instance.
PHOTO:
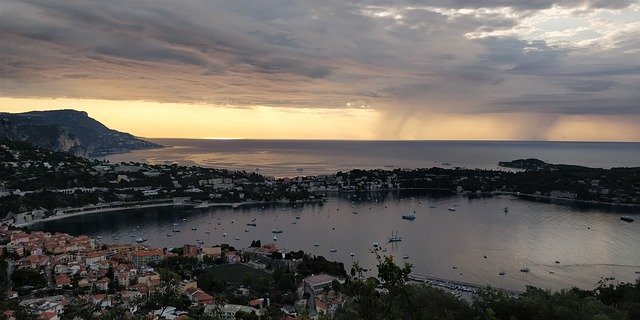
(402, 56)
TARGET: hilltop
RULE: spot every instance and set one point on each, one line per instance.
(69, 131)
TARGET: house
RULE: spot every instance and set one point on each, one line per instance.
(317, 283)
(62, 280)
(198, 296)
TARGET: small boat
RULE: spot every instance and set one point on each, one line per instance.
(409, 216)
(176, 230)
(297, 217)
(333, 250)
(316, 245)
(246, 230)
(224, 234)
(405, 257)
(299, 169)
(557, 262)
(276, 231)
(384, 249)
(232, 221)
(627, 219)
(451, 209)
(505, 209)
(194, 228)
(175, 224)
(275, 238)
(169, 235)
(237, 238)
(352, 254)
(251, 224)
(207, 232)
(355, 212)
(140, 240)
(184, 219)
(502, 273)
(375, 244)
(294, 222)
(524, 270)
(394, 237)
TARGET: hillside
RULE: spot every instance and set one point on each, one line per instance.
(70, 131)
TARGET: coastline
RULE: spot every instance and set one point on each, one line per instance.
(132, 206)
(168, 203)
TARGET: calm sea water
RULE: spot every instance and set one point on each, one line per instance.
(589, 242)
(284, 158)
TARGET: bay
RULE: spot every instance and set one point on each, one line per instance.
(589, 242)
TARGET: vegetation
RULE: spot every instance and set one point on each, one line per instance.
(393, 298)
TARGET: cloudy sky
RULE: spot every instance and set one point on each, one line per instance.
(343, 69)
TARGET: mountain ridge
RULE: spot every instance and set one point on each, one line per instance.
(68, 130)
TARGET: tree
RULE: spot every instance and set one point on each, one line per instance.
(336, 286)
(28, 277)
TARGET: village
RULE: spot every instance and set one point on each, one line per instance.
(49, 273)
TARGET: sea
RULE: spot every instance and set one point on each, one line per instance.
(289, 158)
(563, 244)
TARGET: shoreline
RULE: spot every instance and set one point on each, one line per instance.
(143, 205)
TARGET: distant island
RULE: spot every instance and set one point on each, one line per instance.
(70, 131)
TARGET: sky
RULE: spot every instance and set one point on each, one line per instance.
(347, 69)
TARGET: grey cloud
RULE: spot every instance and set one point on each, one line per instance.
(308, 54)
(589, 86)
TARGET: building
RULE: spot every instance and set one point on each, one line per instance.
(143, 258)
(317, 283)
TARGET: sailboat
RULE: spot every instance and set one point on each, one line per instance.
(394, 237)
(524, 268)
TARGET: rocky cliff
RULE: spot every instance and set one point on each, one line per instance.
(68, 130)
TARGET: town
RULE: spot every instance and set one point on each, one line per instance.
(38, 184)
(55, 274)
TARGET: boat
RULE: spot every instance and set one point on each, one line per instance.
(409, 216)
(297, 217)
(627, 219)
(394, 237)
(451, 209)
(316, 245)
(200, 242)
(524, 270)
(505, 209)
(224, 234)
(276, 231)
(333, 250)
(375, 244)
(502, 273)
(252, 224)
(169, 235)
(237, 238)
(207, 232)
(446, 164)
(405, 257)
(275, 238)
(352, 254)
(202, 205)
(294, 222)
(355, 212)
(175, 224)
(176, 230)
(300, 169)
(140, 240)
(246, 230)
(194, 228)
